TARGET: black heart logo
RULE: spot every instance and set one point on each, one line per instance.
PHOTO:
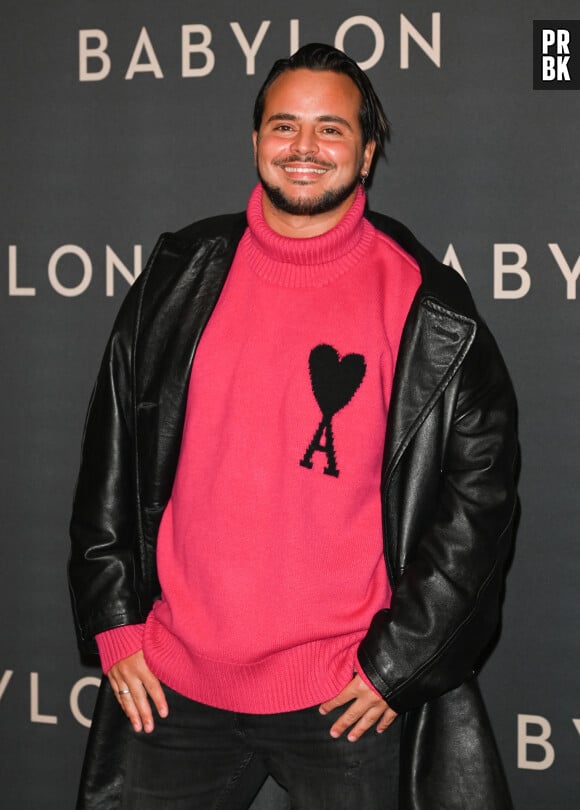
(334, 380)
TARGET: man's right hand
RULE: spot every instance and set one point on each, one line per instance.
(133, 674)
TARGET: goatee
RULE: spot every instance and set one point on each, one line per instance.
(325, 202)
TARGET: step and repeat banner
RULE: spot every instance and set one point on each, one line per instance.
(123, 120)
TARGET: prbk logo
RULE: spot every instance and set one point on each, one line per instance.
(556, 54)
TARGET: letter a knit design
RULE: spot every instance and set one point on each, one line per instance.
(334, 383)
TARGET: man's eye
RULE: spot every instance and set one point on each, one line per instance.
(283, 128)
(331, 131)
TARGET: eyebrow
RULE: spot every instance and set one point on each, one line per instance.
(323, 119)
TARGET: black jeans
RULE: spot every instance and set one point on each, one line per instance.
(201, 758)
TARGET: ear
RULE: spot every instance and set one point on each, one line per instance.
(255, 143)
(368, 155)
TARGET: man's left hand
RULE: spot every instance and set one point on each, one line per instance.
(366, 710)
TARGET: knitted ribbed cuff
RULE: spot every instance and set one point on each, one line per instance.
(119, 643)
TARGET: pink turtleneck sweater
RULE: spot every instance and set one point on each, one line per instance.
(270, 551)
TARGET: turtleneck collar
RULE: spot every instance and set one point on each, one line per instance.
(312, 262)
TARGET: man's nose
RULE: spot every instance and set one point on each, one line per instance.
(305, 142)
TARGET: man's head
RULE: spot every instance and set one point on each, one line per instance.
(318, 124)
(317, 56)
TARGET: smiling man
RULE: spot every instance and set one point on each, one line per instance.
(296, 495)
(309, 151)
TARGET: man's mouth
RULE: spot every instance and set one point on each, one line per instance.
(303, 167)
(304, 170)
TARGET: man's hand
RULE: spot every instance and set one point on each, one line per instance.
(133, 674)
(366, 710)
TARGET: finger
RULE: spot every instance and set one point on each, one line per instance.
(113, 682)
(357, 688)
(354, 713)
(124, 697)
(367, 721)
(131, 710)
(388, 717)
(347, 694)
(155, 691)
(118, 687)
(146, 687)
(138, 707)
(330, 705)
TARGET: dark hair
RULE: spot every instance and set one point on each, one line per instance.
(317, 56)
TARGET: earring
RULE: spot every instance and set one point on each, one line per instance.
(363, 178)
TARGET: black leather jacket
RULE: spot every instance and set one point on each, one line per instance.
(448, 493)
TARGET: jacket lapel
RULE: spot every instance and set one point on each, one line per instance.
(435, 341)
(183, 288)
(438, 333)
(182, 294)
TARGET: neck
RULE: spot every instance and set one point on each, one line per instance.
(302, 226)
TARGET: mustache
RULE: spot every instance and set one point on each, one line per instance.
(323, 164)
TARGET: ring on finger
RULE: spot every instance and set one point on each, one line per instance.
(124, 691)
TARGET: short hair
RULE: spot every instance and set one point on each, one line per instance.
(318, 56)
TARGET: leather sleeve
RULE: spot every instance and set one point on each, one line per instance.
(446, 600)
(102, 565)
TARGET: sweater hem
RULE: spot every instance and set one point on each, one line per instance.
(285, 680)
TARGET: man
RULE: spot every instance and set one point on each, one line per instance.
(270, 581)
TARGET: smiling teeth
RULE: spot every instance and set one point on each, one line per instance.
(304, 171)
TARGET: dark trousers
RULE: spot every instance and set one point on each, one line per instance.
(201, 758)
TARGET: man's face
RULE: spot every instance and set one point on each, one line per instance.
(308, 151)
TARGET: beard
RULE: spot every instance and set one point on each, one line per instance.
(311, 206)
